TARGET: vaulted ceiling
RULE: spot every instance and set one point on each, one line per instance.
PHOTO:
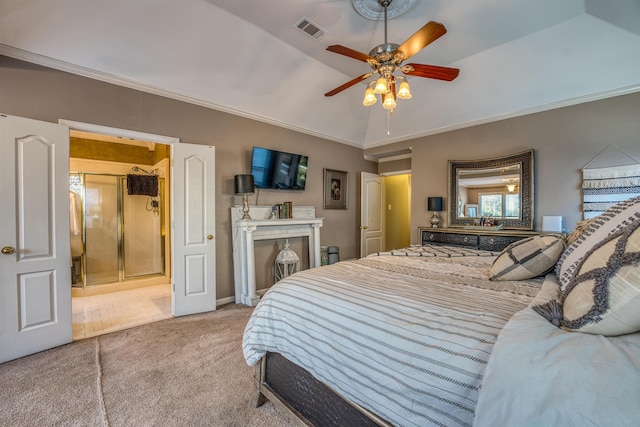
(247, 57)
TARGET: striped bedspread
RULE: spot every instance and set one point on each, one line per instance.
(435, 250)
(405, 337)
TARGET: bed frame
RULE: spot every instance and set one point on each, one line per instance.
(307, 401)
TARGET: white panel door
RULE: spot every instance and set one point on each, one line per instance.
(193, 219)
(372, 213)
(35, 263)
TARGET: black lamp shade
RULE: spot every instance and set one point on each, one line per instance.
(434, 204)
(244, 184)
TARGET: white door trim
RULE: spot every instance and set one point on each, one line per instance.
(135, 135)
(123, 133)
(127, 135)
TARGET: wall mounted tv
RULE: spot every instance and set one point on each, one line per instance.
(279, 170)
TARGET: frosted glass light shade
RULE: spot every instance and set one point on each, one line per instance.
(382, 86)
(369, 98)
(388, 101)
(404, 91)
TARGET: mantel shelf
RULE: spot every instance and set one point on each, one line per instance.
(278, 222)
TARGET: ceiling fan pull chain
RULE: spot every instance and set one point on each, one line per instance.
(388, 122)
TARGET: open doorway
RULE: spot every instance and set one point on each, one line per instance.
(398, 215)
(385, 212)
(121, 269)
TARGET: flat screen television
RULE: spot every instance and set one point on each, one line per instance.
(279, 170)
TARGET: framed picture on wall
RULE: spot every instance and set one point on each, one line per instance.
(335, 189)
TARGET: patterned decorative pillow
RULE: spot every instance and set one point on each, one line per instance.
(528, 258)
(603, 295)
(613, 219)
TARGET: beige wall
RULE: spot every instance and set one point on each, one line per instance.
(394, 166)
(41, 93)
(564, 141)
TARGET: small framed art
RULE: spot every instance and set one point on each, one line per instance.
(335, 189)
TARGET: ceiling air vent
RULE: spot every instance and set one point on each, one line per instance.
(310, 28)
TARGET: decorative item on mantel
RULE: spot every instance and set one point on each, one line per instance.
(287, 262)
(282, 211)
(434, 204)
(243, 185)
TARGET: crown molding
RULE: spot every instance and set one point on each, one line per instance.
(68, 67)
(131, 84)
(538, 109)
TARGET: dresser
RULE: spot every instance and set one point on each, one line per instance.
(485, 239)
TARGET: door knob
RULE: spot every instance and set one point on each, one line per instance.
(8, 250)
(209, 236)
(363, 227)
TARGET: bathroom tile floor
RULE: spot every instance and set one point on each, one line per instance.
(100, 314)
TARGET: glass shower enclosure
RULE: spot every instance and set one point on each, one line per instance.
(123, 235)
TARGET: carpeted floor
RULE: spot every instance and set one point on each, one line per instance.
(186, 371)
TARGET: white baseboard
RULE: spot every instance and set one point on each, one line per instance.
(223, 301)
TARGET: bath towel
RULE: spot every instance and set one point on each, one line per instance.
(142, 185)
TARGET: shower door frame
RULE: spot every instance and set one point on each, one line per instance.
(120, 232)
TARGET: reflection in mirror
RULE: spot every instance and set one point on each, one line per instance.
(499, 189)
(491, 192)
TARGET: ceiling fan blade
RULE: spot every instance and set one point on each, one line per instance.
(348, 84)
(343, 50)
(430, 32)
(431, 71)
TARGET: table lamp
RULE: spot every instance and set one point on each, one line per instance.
(243, 185)
(434, 204)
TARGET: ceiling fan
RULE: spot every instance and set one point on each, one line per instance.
(386, 58)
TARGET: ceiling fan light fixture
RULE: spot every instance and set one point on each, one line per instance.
(386, 59)
(404, 91)
(382, 86)
(369, 97)
(388, 101)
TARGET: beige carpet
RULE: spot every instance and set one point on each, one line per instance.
(186, 371)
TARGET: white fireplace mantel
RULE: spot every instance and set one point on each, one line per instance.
(246, 231)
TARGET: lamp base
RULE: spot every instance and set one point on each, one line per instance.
(435, 221)
(245, 206)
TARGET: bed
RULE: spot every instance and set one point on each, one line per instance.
(422, 336)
